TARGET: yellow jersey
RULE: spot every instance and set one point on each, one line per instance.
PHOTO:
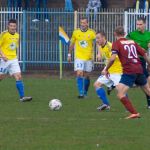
(9, 44)
(83, 43)
(105, 51)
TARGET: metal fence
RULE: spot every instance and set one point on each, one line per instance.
(39, 44)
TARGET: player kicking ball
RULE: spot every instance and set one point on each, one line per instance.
(9, 42)
(128, 52)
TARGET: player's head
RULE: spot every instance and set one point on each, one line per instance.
(12, 26)
(84, 24)
(100, 38)
(141, 24)
(119, 32)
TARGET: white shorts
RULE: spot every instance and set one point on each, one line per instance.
(10, 66)
(83, 65)
(112, 80)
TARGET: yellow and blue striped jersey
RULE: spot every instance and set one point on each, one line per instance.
(83, 43)
(9, 44)
(106, 54)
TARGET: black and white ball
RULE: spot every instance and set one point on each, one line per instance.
(55, 104)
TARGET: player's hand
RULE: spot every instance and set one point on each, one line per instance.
(105, 72)
(69, 58)
(4, 58)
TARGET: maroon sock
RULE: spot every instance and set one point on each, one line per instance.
(128, 105)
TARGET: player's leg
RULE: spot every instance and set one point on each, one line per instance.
(122, 88)
(88, 67)
(101, 92)
(2, 76)
(146, 89)
(148, 79)
(86, 82)
(147, 96)
(14, 70)
(79, 68)
(110, 89)
(142, 81)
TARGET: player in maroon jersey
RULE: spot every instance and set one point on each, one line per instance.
(128, 52)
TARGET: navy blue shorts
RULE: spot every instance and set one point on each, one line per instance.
(130, 79)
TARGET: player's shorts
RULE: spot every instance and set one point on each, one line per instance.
(10, 66)
(131, 79)
(83, 65)
(112, 80)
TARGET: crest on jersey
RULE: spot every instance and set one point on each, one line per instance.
(13, 46)
(83, 44)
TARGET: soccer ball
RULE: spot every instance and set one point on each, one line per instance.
(55, 104)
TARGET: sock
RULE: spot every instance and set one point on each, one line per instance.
(80, 81)
(102, 95)
(148, 100)
(86, 85)
(20, 88)
(128, 105)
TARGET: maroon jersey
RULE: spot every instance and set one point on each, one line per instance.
(128, 52)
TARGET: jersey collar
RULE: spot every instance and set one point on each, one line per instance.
(83, 30)
(104, 44)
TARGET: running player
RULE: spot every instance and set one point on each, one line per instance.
(115, 71)
(128, 51)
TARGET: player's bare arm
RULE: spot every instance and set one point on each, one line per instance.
(70, 51)
(109, 64)
(98, 54)
(3, 56)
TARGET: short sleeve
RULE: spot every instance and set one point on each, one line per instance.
(115, 48)
(94, 35)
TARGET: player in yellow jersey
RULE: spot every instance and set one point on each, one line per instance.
(9, 42)
(115, 71)
(82, 42)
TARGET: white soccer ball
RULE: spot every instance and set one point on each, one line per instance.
(55, 104)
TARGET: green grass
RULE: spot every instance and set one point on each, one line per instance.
(77, 126)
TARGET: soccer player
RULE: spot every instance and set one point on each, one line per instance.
(82, 42)
(9, 41)
(128, 51)
(142, 37)
(115, 71)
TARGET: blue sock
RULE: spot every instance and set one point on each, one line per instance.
(86, 85)
(20, 88)
(102, 95)
(80, 81)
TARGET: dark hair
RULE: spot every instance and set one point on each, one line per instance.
(84, 18)
(119, 31)
(142, 19)
(101, 32)
(12, 21)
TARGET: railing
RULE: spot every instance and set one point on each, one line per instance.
(39, 45)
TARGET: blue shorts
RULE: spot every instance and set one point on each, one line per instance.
(130, 79)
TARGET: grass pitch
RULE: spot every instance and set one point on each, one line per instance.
(77, 126)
